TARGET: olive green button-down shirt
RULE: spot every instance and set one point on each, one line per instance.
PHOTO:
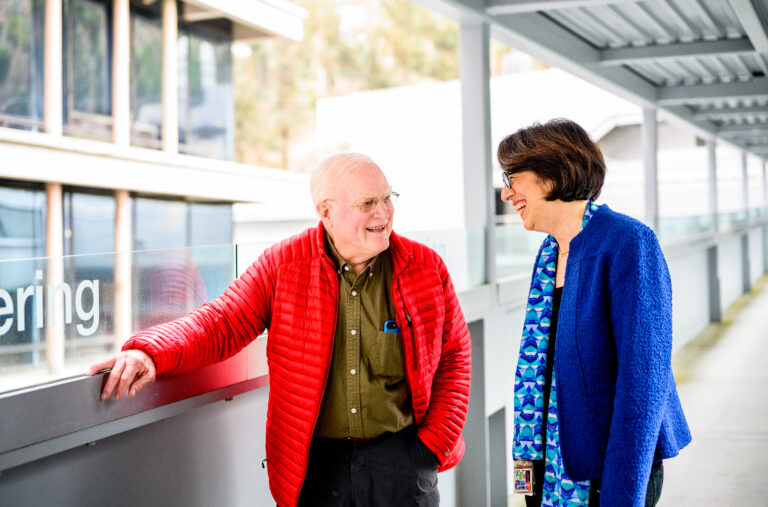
(366, 394)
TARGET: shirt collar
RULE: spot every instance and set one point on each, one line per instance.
(340, 262)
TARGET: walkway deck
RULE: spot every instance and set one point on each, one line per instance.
(723, 383)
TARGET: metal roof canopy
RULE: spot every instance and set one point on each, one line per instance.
(702, 61)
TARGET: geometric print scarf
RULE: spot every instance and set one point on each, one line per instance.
(532, 362)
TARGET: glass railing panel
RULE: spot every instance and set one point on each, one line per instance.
(59, 315)
(675, 229)
(516, 249)
(462, 250)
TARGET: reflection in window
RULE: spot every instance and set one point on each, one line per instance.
(146, 79)
(22, 236)
(206, 102)
(21, 63)
(87, 62)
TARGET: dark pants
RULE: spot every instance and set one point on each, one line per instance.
(652, 492)
(393, 470)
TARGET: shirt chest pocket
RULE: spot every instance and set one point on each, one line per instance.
(387, 360)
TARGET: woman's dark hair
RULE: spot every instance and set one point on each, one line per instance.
(559, 152)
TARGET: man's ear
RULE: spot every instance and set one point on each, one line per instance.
(324, 212)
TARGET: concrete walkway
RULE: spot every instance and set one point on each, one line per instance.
(723, 384)
(722, 379)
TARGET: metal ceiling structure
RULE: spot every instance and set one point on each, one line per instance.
(702, 61)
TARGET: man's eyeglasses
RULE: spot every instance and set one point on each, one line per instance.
(389, 199)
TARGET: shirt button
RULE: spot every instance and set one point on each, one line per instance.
(346, 268)
(354, 410)
(353, 332)
(370, 275)
(354, 293)
(352, 371)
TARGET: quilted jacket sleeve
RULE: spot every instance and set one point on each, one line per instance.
(441, 428)
(641, 313)
(216, 330)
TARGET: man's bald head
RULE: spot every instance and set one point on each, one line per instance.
(326, 180)
(341, 185)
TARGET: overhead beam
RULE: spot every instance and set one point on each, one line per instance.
(537, 35)
(743, 130)
(628, 56)
(497, 7)
(751, 23)
(730, 112)
(675, 95)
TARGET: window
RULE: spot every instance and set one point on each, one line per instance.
(166, 223)
(169, 283)
(210, 224)
(89, 222)
(21, 63)
(22, 236)
(159, 223)
(87, 69)
(89, 228)
(206, 101)
(22, 221)
(146, 79)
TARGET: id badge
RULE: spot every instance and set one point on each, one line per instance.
(523, 477)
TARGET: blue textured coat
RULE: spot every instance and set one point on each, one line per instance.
(618, 406)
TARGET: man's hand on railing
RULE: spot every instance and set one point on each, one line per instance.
(132, 371)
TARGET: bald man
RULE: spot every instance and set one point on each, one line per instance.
(368, 351)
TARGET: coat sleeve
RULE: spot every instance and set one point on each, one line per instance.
(441, 428)
(641, 315)
(218, 329)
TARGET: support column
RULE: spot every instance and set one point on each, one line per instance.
(479, 212)
(744, 183)
(650, 162)
(746, 282)
(715, 312)
(765, 187)
(121, 64)
(52, 80)
(170, 78)
(479, 194)
(712, 171)
(764, 214)
(123, 268)
(54, 275)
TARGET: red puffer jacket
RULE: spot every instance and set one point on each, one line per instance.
(292, 290)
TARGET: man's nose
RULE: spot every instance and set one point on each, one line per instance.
(381, 209)
(506, 193)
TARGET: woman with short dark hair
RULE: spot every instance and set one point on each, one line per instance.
(596, 407)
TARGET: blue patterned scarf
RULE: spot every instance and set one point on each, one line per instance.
(532, 363)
